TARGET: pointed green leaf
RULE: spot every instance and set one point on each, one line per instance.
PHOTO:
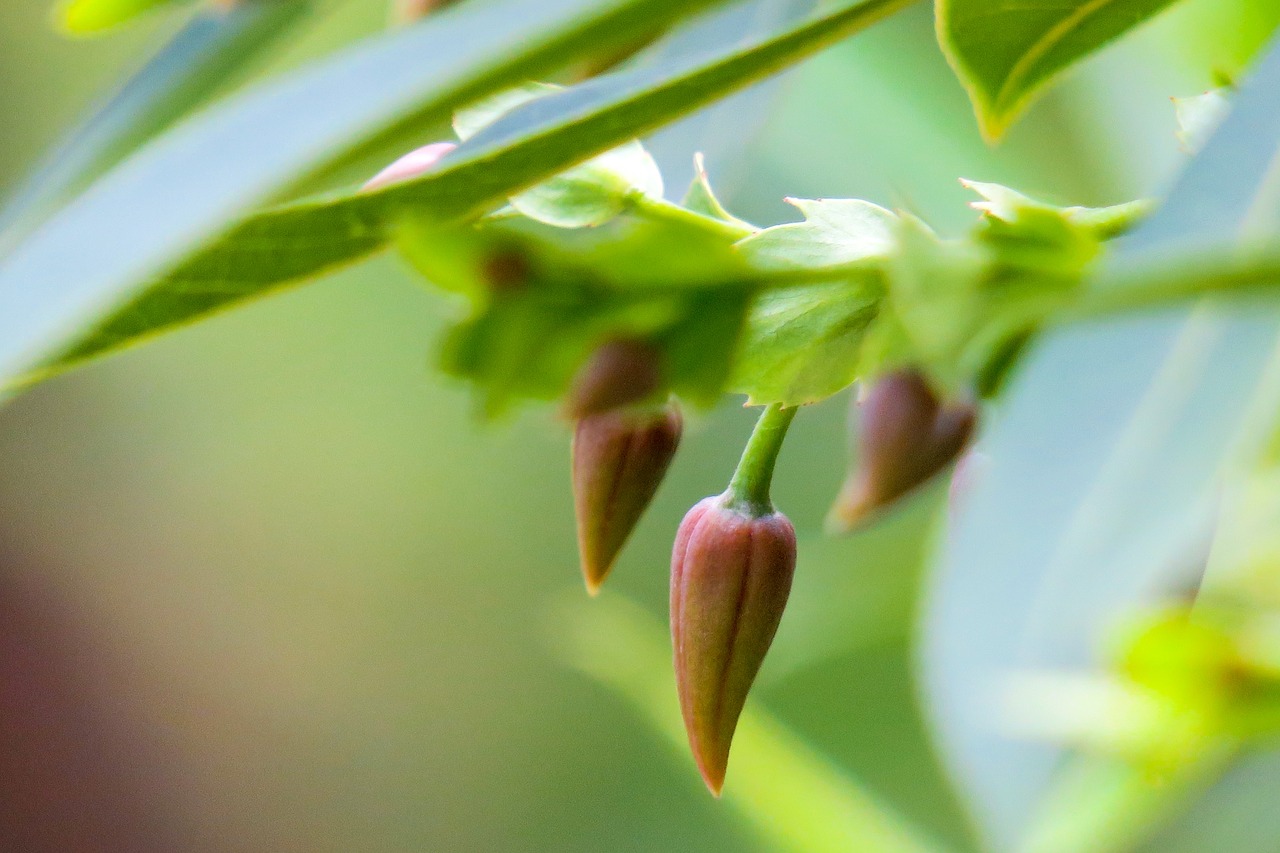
(1005, 51)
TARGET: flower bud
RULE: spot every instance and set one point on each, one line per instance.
(411, 165)
(408, 11)
(619, 373)
(731, 574)
(905, 436)
(619, 460)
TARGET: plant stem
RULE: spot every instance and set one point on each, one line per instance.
(1230, 270)
(661, 210)
(749, 488)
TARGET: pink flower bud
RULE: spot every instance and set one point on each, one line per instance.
(619, 460)
(905, 436)
(411, 165)
(408, 11)
(731, 574)
(618, 374)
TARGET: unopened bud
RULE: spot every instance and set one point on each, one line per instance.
(411, 165)
(619, 460)
(905, 437)
(731, 573)
(618, 374)
(408, 11)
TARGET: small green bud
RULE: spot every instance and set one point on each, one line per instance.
(619, 373)
(731, 574)
(905, 436)
(619, 460)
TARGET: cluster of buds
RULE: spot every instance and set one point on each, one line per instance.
(734, 555)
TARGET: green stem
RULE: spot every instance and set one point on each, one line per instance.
(661, 210)
(749, 488)
(1229, 270)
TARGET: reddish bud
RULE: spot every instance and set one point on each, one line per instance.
(411, 165)
(408, 11)
(619, 460)
(905, 436)
(618, 374)
(731, 574)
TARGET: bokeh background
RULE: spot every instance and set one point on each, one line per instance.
(268, 584)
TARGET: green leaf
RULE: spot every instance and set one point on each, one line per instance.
(87, 17)
(803, 344)
(582, 197)
(835, 232)
(136, 239)
(1104, 469)
(205, 56)
(1004, 51)
(700, 198)
(542, 300)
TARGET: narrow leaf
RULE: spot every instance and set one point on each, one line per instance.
(145, 272)
(205, 55)
(149, 216)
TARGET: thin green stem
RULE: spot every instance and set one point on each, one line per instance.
(661, 210)
(749, 488)
(1228, 270)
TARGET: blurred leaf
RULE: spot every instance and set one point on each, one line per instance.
(1005, 50)
(801, 345)
(86, 17)
(584, 196)
(541, 305)
(187, 187)
(94, 268)
(197, 63)
(700, 198)
(835, 232)
(1104, 465)
(1199, 116)
(786, 791)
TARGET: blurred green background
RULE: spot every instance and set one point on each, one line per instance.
(267, 584)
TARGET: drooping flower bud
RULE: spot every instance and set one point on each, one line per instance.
(619, 373)
(415, 163)
(619, 460)
(905, 435)
(731, 574)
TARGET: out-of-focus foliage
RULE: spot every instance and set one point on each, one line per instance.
(298, 596)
